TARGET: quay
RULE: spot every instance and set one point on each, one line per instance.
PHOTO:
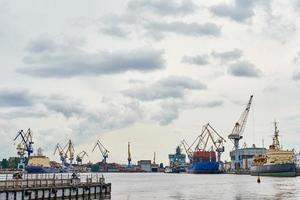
(54, 186)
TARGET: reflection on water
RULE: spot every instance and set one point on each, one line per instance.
(195, 187)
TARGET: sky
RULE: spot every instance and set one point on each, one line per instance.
(148, 72)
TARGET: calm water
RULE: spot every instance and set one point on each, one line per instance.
(191, 187)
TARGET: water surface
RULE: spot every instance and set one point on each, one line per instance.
(146, 186)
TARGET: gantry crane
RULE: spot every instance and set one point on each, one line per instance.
(237, 131)
(70, 151)
(24, 146)
(103, 151)
(187, 149)
(61, 153)
(201, 143)
(80, 156)
(129, 156)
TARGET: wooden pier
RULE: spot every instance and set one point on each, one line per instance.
(55, 186)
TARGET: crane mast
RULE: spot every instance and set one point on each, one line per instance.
(61, 153)
(24, 146)
(129, 156)
(70, 151)
(237, 131)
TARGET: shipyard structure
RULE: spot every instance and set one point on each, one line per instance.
(246, 156)
(276, 161)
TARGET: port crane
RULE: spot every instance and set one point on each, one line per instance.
(70, 151)
(80, 156)
(129, 156)
(24, 146)
(102, 149)
(209, 136)
(61, 153)
(237, 131)
(187, 149)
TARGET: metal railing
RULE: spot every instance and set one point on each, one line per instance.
(49, 180)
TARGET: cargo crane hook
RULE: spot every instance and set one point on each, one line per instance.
(237, 131)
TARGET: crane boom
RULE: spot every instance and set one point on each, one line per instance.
(102, 149)
(239, 126)
(237, 131)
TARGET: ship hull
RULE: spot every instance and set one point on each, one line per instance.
(204, 168)
(41, 170)
(280, 170)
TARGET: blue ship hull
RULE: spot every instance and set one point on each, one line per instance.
(41, 170)
(203, 168)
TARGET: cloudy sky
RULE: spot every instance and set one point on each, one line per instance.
(151, 72)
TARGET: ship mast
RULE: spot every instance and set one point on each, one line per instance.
(276, 143)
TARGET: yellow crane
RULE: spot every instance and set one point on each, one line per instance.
(129, 156)
(70, 151)
(80, 156)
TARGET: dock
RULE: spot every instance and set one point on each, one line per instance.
(54, 186)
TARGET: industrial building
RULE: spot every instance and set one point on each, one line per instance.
(145, 165)
(246, 155)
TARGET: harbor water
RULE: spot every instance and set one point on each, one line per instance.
(150, 186)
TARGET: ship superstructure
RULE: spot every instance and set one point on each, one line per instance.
(276, 161)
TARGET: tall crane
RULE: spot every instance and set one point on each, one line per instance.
(61, 153)
(237, 131)
(70, 151)
(217, 140)
(209, 139)
(80, 156)
(187, 149)
(24, 146)
(102, 149)
(129, 156)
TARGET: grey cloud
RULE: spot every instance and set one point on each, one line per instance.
(240, 10)
(170, 109)
(21, 113)
(41, 44)
(16, 98)
(244, 69)
(127, 25)
(195, 60)
(228, 55)
(162, 7)
(115, 30)
(296, 76)
(64, 106)
(72, 62)
(192, 29)
(224, 56)
(170, 87)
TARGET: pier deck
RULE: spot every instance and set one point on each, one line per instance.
(54, 186)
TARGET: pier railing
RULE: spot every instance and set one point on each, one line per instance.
(48, 180)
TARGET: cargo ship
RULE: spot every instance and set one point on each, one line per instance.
(276, 161)
(40, 164)
(298, 164)
(203, 162)
(177, 162)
